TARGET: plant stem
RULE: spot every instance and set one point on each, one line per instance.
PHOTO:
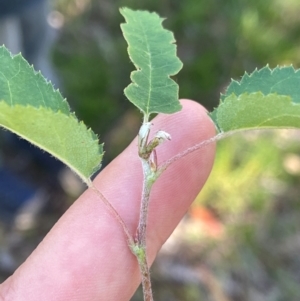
(147, 185)
(137, 246)
(115, 214)
(147, 155)
(151, 174)
(142, 231)
(146, 280)
(190, 150)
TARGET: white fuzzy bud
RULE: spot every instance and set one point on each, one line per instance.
(144, 134)
(162, 136)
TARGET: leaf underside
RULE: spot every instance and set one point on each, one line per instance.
(32, 109)
(152, 50)
(264, 99)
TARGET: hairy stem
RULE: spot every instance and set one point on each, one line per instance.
(137, 245)
(147, 154)
(142, 227)
(190, 150)
(140, 240)
(151, 173)
(114, 213)
(146, 280)
(139, 249)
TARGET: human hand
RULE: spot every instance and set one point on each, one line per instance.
(85, 256)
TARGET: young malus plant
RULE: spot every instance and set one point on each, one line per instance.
(264, 99)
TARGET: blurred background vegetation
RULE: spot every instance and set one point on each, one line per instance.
(241, 238)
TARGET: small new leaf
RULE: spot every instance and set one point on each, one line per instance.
(152, 50)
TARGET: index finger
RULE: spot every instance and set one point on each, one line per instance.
(85, 256)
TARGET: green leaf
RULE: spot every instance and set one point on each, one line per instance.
(264, 99)
(256, 110)
(281, 80)
(152, 50)
(20, 84)
(31, 108)
(60, 135)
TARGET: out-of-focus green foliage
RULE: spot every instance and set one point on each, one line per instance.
(245, 172)
(254, 192)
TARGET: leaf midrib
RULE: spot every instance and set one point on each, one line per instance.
(150, 71)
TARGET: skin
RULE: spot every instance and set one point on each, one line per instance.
(85, 256)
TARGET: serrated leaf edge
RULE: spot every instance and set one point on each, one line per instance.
(80, 123)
